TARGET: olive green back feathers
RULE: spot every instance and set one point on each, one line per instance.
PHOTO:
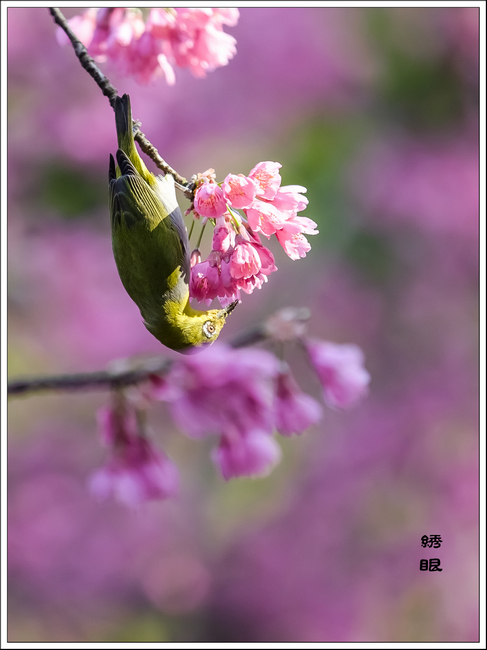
(151, 248)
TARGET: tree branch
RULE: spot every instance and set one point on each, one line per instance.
(111, 92)
(286, 324)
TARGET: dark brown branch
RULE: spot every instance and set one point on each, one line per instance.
(84, 58)
(88, 380)
(284, 325)
(111, 92)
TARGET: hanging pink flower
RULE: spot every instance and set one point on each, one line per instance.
(340, 370)
(209, 201)
(291, 237)
(295, 411)
(237, 262)
(135, 471)
(223, 237)
(245, 260)
(205, 281)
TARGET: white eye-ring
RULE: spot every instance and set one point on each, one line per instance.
(209, 329)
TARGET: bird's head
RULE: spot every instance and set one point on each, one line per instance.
(191, 330)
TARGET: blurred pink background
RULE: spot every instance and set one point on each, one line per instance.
(375, 111)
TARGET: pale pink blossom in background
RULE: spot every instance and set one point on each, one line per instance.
(187, 38)
(229, 393)
(340, 370)
(83, 26)
(115, 427)
(195, 39)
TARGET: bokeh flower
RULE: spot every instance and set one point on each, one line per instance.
(228, 393)
(340, 370)
(135, 472)
(253, 454)
(295, 411)
(183, 37)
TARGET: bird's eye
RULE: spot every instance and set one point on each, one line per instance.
(209, 329)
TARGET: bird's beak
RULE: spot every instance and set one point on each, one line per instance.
(227, 310)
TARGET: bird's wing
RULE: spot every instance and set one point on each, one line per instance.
(151, 250)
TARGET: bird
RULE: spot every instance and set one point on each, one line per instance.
(151, 247)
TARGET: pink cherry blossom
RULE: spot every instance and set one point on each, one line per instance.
(245, 261)
(192, 38)
(294, 243)
(205, 282)
(267, 176)
(209, 201)
(289, 199)
(291, 237)
(223, 237)
(295, 411)
(254, 454)
(239, 190)
(264, 217)
(135, 471)
(237, 262)
(340, 370)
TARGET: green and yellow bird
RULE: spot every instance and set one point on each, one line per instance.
(151, 247)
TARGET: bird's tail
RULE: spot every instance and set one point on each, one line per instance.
(125, 136)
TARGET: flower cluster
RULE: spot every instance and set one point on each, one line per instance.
(241, 396)
(238, 260)
(145, 49)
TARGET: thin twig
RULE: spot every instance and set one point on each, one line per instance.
(128, 372)
(111, 92)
